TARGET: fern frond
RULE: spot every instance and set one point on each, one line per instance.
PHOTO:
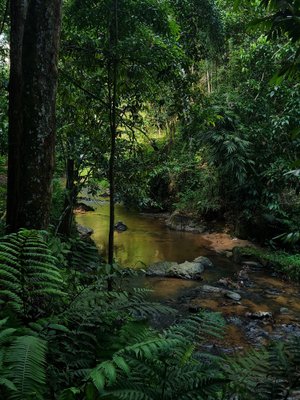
(27, 359)
(126, 394)
(28, 274)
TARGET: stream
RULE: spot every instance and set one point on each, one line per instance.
(148, 240)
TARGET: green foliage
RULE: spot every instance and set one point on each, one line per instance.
(197, 185)
(26, 362)
(57, 205)
(245, 129)
(98, 344)
(29, 279)
(74, 253)
(202, 28)
(22, 364)
(283, 20)
(163, 366)
(199, 129)
(266, 375)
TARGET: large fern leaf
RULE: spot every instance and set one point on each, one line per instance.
(26, 359)
(163, 366)
(29, 278)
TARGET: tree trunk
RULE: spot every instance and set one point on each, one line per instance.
(32, 94)
(66, 222)
(113, 82)
(15, 131)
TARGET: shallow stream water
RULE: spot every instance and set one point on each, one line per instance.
(148, 240)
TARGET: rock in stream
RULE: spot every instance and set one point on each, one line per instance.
(187, 270)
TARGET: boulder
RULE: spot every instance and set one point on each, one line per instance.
(121, 227)
(84, 231)
(168, 269)
(186, 270)
(186, 223)
(204, 261)
(160, 268)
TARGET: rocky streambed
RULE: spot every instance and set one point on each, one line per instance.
(257, 305)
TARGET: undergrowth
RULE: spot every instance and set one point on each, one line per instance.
(63, 336)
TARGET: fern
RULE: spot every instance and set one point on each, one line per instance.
(84, 256)
(270, 374)
(29, 279)
(162, 366)
(22, 364)
(245, 373)
(26, 362)
(6, 337)
(95, 324)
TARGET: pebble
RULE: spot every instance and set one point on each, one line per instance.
(284, 310)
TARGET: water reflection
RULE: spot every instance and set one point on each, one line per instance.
(147, 239)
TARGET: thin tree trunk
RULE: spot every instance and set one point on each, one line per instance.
(33, 82)
(113, 82)
(65, 225)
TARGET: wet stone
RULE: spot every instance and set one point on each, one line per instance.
(206, 262)
(160, 268)
(228, 283)
(253, 265)
(235, 321)
(120, 227)
(187, 270)
(285, 331)
(212, 289)
(272, 292)
(84, 231)
(256, 333)
(259, 315)
(233, 296)
(284, 310)
(295, 395)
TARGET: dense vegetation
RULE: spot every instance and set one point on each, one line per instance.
(185, 106)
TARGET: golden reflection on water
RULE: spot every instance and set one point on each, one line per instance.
(147, 239)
